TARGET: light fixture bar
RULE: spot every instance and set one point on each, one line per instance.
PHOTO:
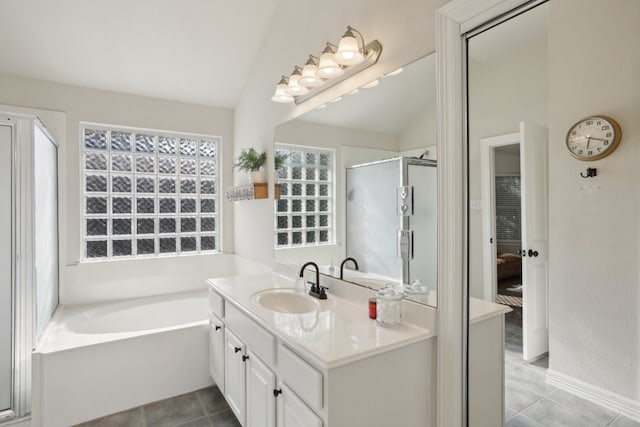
(373, 51)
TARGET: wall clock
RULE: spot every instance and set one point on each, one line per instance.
(593, 138)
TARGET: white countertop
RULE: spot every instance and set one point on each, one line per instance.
(339, 333)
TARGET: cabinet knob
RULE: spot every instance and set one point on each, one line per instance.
(237, 349)
(244, 357)
(276, 392)
(218, 327)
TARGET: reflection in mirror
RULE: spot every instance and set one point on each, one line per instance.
(346, 168)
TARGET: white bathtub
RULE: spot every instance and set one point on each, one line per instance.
(93, 360)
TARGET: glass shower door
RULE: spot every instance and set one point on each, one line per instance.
(6, 311)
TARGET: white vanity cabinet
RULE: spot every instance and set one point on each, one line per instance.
(293, 412)
(216, 351)
(234, 374)
(261, 393)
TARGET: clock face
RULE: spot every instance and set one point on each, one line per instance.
(593, 138)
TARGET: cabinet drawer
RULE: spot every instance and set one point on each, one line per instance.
(216, 303)
(303, 378)
(253, 335)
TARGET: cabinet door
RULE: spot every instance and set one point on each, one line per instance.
(216, 351)
(292, 412)
(234, 375)
(261, 382)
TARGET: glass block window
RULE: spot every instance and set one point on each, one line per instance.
(148, 193)
(508, 208)
(304, 215)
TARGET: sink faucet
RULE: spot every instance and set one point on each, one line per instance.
(316, 290)
(355, 263)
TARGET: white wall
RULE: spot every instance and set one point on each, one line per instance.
(594, 237)
(404, 27)
(82, 104)
(420, 133)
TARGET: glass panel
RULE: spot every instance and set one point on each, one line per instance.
(166, 145)
(310, 174)
(167, 185)
(324, 220)
(145, 164)
(121, 226)
(188, 244)
(122, 247)
(208, 149)
(96, 205)
(207, 168)
(188, 205)
(96, 139)
(324, 175)
(188, 166)
(96, 249)
(120, 141)
(310, 159)
(208, 223)
(121, 162)
(324, 190)
(207, 243)
(311, 206)
(167, 245)
(167, 225)
(144, 144)
(296, 237)
(282, 205)
(187, 185)
(167, 205)
(145, 226)
(167, 165)
(296, 157)
(311, 236)
(97, 227)
(145, 184)
(324, 205)
(121, 184)
(207, 205)
(325, 159)
(296, 173)
(283, 239)
(188, 147)
(296, 221)
(296, 190)
(283, 222)
(311, 221)
(310, 190)
(284, 189)
(296, 205)
(121, 205)
(96, 183)
(187, 225)
(145, 205)
(207, 186)
(145, 246)
(96, 161)
(324, 236)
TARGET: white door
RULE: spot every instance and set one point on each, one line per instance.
(261, 383)
(6, 282)
(535, 258)
(216, 351)
(234, 375)
(292, 412)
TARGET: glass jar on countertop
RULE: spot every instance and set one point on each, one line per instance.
(389, 306)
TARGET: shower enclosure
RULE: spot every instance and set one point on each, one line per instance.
(391, 219)
(28, 252)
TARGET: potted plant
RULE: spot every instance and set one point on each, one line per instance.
(251, 161)
(278, 160)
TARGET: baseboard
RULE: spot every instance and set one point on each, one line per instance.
(628, 407)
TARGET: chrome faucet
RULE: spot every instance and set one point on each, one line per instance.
(355, 263)
(316, 290)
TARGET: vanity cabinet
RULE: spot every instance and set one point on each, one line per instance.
(216, 350)
(234, 374)
(294, 413)
(261, 393)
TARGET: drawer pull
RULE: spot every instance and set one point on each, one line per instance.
(244, 357)
(237, 349)
(218, 327)
(276, 392)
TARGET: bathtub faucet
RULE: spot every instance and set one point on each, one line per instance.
(355, 264)
(316, 290)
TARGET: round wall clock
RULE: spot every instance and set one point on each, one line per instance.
(593, 138)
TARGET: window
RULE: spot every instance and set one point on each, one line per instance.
(508, 207)
(305, 212)
(148, 193)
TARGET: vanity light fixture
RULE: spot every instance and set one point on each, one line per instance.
(282, 95)
(336, 64)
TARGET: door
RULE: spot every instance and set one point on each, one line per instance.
(6, 281)
(216, 351)
(535, 261)
(292, 412)
(234, 375)
(261, 383)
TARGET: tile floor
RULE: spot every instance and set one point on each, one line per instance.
(531, 402)
(202, 408)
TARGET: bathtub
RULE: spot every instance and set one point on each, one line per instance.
(97, 359)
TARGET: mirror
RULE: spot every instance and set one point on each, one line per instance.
(347, 166)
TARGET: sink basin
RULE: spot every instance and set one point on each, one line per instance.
(286, 301)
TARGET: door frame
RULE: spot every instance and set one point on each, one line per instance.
(489, 241)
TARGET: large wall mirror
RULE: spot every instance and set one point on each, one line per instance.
(359, 181)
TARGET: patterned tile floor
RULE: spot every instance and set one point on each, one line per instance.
(202, 408)
(531, 402)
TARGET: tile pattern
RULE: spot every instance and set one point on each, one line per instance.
(531, 402)
(202, 408)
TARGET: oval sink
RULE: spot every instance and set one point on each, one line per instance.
(286, 301)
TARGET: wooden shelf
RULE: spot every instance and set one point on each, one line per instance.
(247, 192)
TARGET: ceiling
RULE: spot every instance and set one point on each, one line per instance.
(197, 51)
(387, 108)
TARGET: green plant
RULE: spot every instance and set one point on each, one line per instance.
(278, 160)
(250, 161)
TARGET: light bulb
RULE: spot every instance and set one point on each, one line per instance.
(309, 78)
(327, 67)
(282, 95)
(348, 50)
